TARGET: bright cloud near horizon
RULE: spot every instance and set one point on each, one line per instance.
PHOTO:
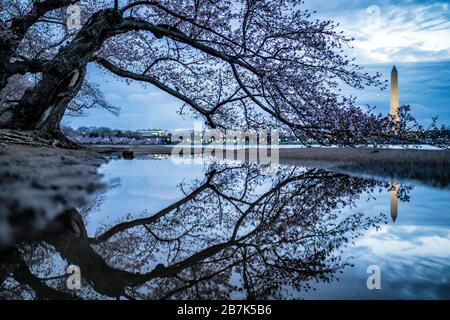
(387, 31)
(414, 34)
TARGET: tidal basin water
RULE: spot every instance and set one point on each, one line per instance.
(171, 229)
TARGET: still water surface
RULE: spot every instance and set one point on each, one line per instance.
(202, 230)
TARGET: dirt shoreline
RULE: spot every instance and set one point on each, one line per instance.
(39, 183)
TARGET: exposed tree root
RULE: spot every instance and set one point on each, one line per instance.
(36, 139)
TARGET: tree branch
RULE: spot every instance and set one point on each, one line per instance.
(138, 3)
(176, 35)
(21, 25)
(152, 80)
(144, 221)
(25, 65)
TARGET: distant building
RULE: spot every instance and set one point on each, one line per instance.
(149, 133)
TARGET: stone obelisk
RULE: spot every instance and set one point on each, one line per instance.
(394, 96)
(395, 117)
(394, 201)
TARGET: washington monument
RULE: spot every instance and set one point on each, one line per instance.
(395, 117)
(394, 95)
(394, 201)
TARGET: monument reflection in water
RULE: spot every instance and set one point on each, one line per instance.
(234, 233)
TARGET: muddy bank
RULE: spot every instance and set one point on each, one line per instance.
(430, 167)
(39, 183)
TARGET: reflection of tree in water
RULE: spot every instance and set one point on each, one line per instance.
(237, 233)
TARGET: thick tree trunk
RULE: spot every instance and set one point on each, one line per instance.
(3, 75)
(7, 48)
(13, 34)
(43, 105)
(50, 119)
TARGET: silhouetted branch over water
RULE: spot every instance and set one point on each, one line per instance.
(285, 235)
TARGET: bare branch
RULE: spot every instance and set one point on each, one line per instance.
(152, 80)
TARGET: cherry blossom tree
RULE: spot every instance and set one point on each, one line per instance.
(241, 64)
(244, 64)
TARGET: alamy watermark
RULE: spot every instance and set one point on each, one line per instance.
(373, 16)
(73, 21)
(73, 281)
(254, 146)
(374, 280)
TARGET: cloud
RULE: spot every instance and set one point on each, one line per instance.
(148, 98)
(400, 31)
(425, 86)
(406, 242)
(155, 192)
(114, 97)
(142, 106)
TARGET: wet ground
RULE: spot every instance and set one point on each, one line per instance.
(193, 228)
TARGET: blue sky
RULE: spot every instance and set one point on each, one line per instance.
(413, 35)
